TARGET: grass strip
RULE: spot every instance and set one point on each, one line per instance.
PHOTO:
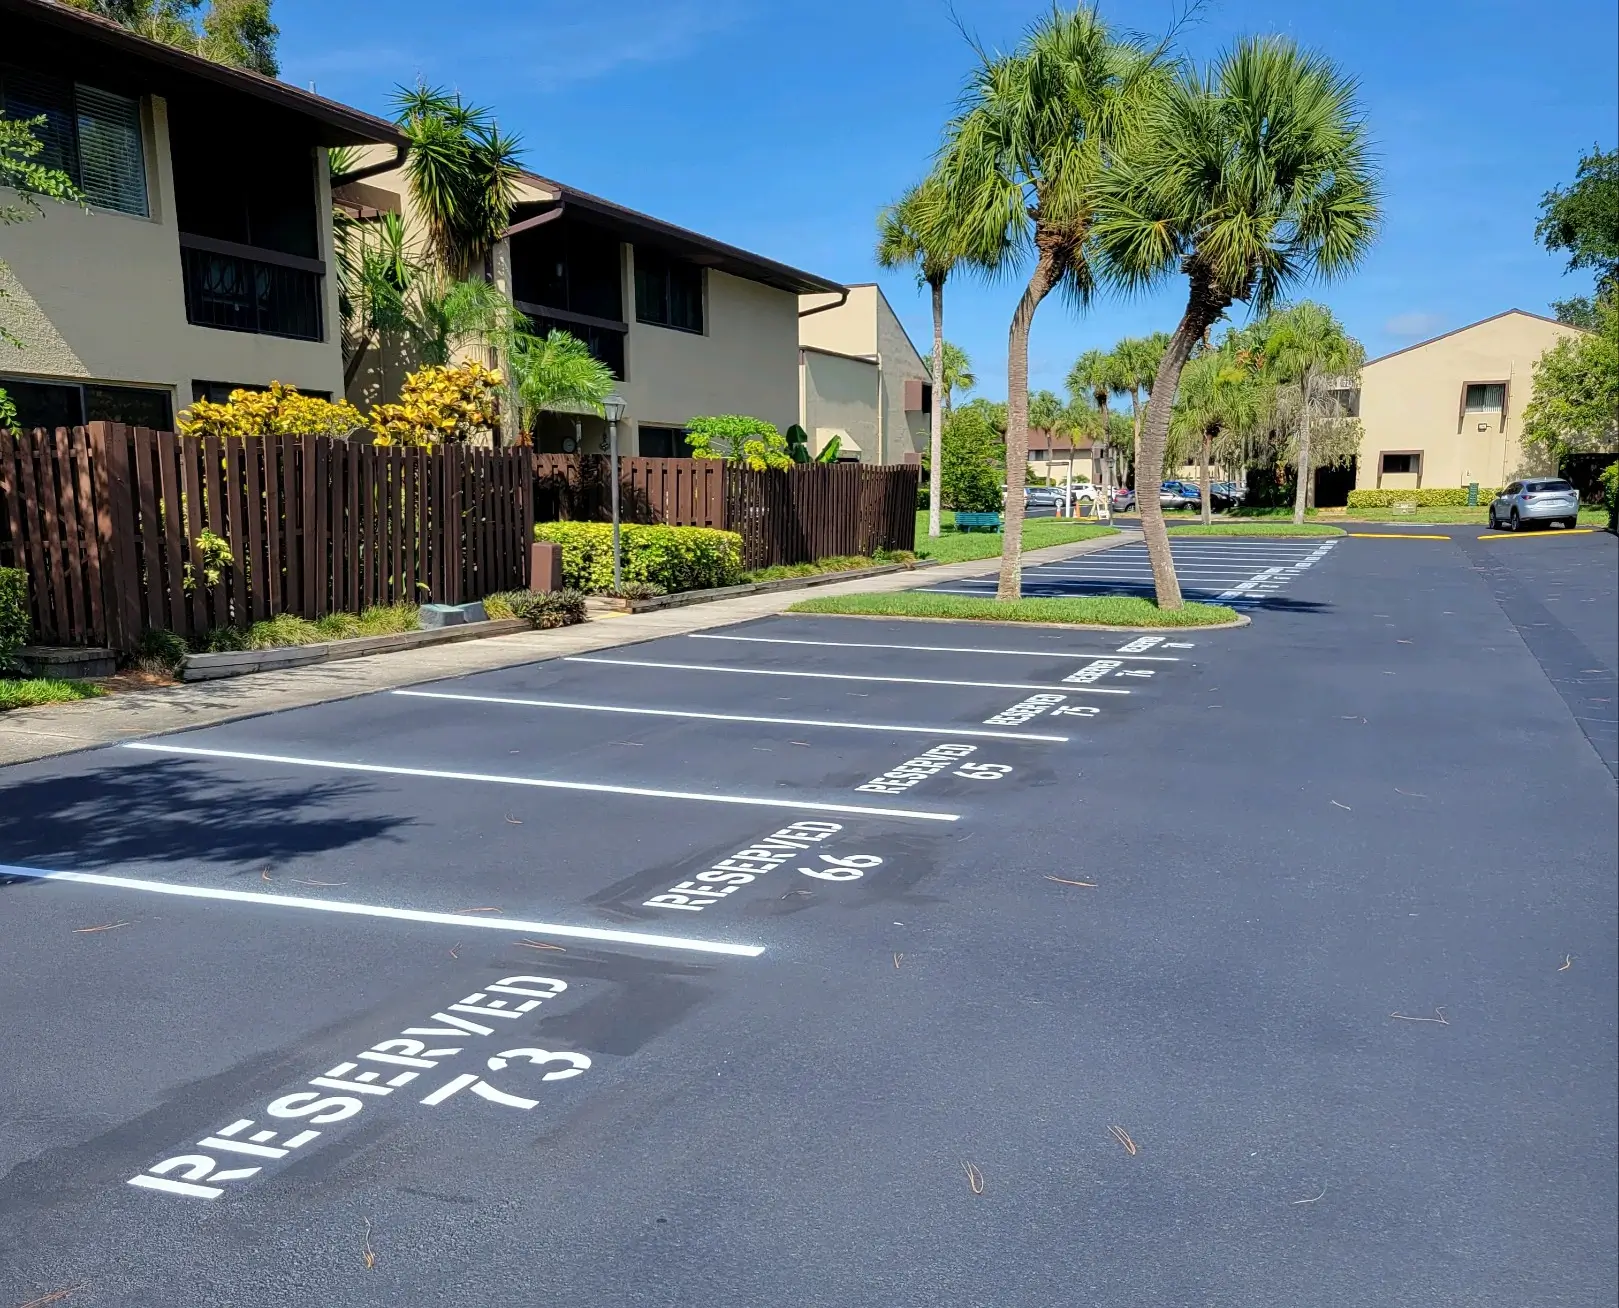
(1256, 529)
(1079, 611)
(25, 692)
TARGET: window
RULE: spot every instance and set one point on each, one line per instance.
(70, 404)
(569, 265)
(1485, 397)
(1558, 485)
(1402, 463)
(668, 292)
(604, 343)
(663, 443)
(92, 135)
(217, 392)
(250, 295)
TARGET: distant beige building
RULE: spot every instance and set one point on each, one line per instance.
(1449, 411)
(860, 378)
(202, 257)
(689, 325)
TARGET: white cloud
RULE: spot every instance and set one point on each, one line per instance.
(1414, 323)
(558, 54)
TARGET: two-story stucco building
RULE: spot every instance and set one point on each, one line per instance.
(689, 325)
(202, 257)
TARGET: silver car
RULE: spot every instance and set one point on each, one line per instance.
(1544, 499)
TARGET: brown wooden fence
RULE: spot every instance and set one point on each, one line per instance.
(108, 522)
(676, 492)
(794, 515)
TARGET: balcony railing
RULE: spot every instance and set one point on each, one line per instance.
(242, 288)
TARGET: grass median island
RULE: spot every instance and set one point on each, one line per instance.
(1082, 611)
(954, 546)
(1256, 529)
(26, 692)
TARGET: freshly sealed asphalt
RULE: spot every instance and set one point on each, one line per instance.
(1287, 977)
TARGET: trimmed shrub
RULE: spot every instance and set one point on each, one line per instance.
(1427, 497)
(675, 558)
(15, 624)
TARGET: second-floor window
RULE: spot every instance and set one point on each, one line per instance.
(668, 291)
(91, 135)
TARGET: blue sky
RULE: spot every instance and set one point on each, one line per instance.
(783, 127)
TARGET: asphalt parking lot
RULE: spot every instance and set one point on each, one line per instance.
(838, 962)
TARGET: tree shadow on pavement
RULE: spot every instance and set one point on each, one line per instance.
(177, 811)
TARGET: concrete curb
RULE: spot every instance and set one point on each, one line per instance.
(238, 663)
(685, 597)
(36, 733)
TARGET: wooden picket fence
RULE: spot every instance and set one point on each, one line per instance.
(109, 522)
(675, 492)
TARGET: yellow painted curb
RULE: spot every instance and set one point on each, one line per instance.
(1394, 535)
(1567, 531)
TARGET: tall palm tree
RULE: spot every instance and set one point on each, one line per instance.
(1305, 347)
(958, 376)
(1137, 359)
(1097, 372)
(909, 234)
(1035, 130)
(1221, 400)
(1247, 178)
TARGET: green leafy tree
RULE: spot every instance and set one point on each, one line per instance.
(1306, 348)
(973, 456)
(748, 442)
(1574, 405)
(958, 377)
(29, 181)
(1036, 130)
(1583, 219)
(556, 372)
(236, 32)
(1247, 178)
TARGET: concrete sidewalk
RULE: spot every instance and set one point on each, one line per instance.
(35, 733)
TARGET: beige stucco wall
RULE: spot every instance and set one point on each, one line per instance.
(98, 296)
(840, 398)
(1410, 402)
(867, 326)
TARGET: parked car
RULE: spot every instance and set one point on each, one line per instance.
(1225, 494)
(1045, 496)
(1124, 499)
(1545, 499)
(1179, 495)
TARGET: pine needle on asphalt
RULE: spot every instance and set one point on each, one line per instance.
(975, 1178)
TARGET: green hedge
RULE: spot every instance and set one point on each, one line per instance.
(15, 624)
(1427, 497)
(675, 558)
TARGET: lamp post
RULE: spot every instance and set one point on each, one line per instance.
(613, 408)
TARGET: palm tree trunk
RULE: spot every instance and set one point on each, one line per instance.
(936, 422)
(1010, 584)
(1135, 443)
(1301, 493)
(1203, 309)
(1203, 482)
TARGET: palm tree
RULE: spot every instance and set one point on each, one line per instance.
(1098, 373)
(556, 372)
(1247, 178)
(1137, 359)
(958, 376)
(1304, 347)
(1035, 130)
(906, 238)
(1222, 398)
(462, 171)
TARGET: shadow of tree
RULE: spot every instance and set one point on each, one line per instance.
(178, 811)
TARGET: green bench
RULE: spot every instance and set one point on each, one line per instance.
(977, 521)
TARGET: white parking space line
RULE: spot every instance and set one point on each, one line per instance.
(457, 920)
(733, 717)
(937, 649)
(545, 783)
(829, 676)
